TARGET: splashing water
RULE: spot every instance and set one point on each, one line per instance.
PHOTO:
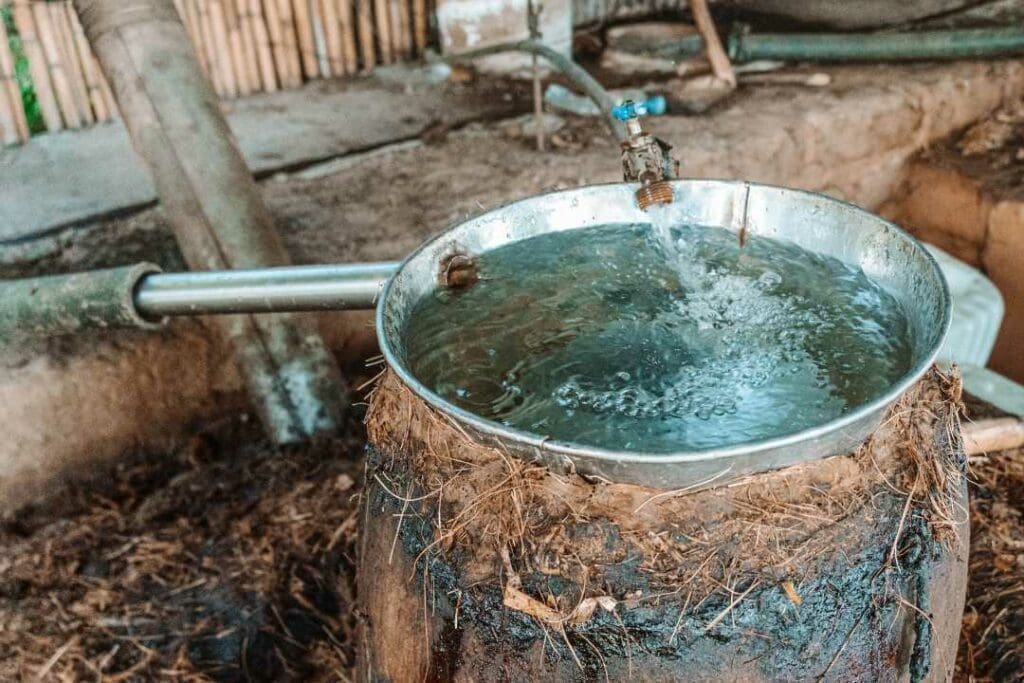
(659, 338)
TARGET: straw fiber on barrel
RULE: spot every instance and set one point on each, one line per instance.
(477, 565)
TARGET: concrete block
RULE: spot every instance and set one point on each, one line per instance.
(467, 25)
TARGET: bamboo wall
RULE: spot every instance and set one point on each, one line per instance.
(244, 46)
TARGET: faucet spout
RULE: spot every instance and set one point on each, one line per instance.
(646, 159)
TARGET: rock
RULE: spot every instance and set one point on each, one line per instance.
(696, 95)
(526, 125)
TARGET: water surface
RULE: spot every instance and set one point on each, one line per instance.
(660, 339)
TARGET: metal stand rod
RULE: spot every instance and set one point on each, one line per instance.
(263, 290)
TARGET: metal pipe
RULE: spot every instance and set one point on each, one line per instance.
(264, 290)
(142, 296)
(860, 47)
(62, 304)
(568, 68)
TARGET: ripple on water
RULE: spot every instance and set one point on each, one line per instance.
(659, 338)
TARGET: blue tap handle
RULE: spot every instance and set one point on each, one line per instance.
(652, 106)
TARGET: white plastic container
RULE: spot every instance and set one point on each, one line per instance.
(977, 312)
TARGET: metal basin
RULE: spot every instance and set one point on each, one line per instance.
(815, 222)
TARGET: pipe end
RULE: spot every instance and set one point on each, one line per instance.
(659, 192)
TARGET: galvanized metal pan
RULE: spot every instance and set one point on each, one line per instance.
(815, 222)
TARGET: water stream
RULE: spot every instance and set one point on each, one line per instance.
(659, 338)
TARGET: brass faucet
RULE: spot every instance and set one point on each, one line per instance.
(646, 159)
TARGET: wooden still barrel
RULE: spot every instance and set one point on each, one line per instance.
(479, 566)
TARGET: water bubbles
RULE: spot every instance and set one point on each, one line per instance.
(768, 280)
(665, 337)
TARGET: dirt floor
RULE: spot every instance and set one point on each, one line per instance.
(221, 561)
(216, 561)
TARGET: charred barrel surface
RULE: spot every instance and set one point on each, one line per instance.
(478, 565)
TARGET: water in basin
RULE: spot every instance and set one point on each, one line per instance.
(659, 340)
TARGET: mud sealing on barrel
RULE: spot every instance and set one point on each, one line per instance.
(520, 528)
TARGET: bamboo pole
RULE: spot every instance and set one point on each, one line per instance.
(18, 124)
(25, 22)
(405, 28)
(60, 15)
(364, 19)
(332, 36)
(381, 14)
(8, 127)
(290, 42)
(209, 46)
(307, 45)
(319, 38)
(237, 50)
(218, 24)
(61, 86)
(276, 40)
(90, 70)
(252, 67)
(214, 206)
(419, 17)
(348, 36)
(264, 50)
(395, 28)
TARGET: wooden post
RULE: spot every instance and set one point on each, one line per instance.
(213, 204)
(720, 65)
